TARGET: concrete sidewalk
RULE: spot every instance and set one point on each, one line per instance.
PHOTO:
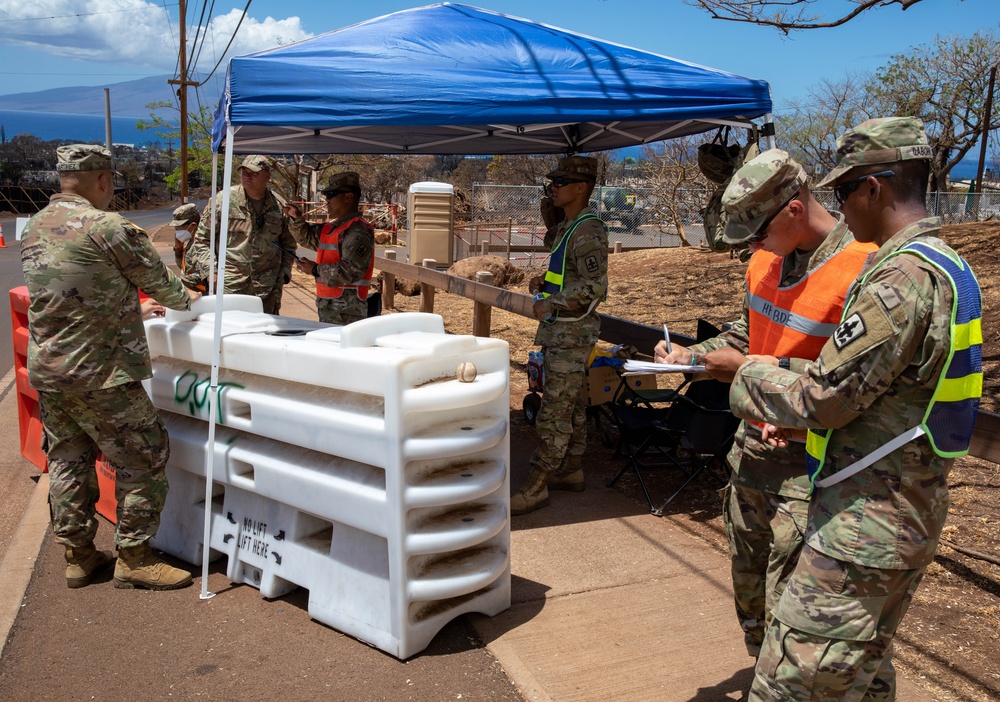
(609, 603)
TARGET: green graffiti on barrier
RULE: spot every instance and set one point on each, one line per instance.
(188, 387)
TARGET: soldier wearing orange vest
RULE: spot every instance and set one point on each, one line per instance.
(804, 261)
(345, 251)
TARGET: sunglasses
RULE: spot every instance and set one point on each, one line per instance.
(844, 190)
(334, 193)
(563, 181)
(762, 232)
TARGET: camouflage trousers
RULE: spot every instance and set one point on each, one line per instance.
(562, 419)
(765, 533)
(122, 422)
(341, 310)
(272, 301)
(831, 636)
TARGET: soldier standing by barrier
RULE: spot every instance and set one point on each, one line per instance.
(345, 248)
(573, 287)
(804, 260)
(87, 356)
(260, 249)
(905, 362)
(185, 223)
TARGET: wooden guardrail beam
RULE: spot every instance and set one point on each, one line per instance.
(985, 436)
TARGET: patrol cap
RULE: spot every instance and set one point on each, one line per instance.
(348, 180)
(257, 163)
(186, 214)
(757, 190)
(575, 166)
(883, 140)
(83, 157)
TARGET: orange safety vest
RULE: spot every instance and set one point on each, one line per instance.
(796, 320)
(328, 253)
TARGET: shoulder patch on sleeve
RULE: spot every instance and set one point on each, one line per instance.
(593, 265)
(132, 230)
(850, 329)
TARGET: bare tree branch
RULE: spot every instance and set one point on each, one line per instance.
(787, 15)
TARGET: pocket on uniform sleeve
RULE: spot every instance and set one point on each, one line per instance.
(866, 325)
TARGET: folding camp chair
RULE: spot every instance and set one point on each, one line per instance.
(690, 429)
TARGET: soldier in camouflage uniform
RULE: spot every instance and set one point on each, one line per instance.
(573, 287)
(260, 249)
(87, 356)
(907, 353)
(346, 251)
(185, 223)
(803, 262)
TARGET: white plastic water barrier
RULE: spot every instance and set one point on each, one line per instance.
(347, 460)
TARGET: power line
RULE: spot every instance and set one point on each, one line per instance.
(85, 14)
(231, 39)
(203, 21)
(66, 73)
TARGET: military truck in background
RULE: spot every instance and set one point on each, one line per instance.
(622, 206)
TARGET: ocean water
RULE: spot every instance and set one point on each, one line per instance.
(56, 125)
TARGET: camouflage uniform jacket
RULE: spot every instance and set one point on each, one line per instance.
(357, 248)
(257, 259)
(754, 463)
(83, 268)
(586, 280)
(873, 380)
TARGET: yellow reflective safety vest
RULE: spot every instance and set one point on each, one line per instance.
(556, 274)
(951, 414)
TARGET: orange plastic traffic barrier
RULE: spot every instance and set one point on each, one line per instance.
(28, 417)
(28, 414)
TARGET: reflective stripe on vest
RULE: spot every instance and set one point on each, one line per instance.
(328, 253)
(951, 415)
(555, 276)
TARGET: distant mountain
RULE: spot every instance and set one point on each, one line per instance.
(127, 99)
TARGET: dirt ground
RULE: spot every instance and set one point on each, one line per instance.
(950, 637)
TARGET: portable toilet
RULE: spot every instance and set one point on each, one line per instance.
(430, 216)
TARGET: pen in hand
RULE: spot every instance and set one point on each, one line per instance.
(666, 337)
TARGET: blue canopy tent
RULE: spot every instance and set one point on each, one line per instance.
(454, 79)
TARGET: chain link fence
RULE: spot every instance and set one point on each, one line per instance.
(507, 218)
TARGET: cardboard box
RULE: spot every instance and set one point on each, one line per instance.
(602, 382)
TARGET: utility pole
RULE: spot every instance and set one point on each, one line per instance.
(986, 134)
(183, 82)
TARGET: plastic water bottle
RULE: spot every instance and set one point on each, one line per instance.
(552, 316)
(536, 371)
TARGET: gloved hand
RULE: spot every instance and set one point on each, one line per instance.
(551, 215)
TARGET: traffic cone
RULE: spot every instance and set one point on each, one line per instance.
(2, 245)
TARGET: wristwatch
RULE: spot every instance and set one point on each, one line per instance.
(783, 362)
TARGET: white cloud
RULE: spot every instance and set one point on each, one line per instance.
(132, 31)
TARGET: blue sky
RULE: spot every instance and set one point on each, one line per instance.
(53, 43)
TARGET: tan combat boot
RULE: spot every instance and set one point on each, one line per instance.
(533, 495)
(82, 562)
(569, 476)
(138, 566)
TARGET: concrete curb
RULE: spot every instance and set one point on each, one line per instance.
(19, 562)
